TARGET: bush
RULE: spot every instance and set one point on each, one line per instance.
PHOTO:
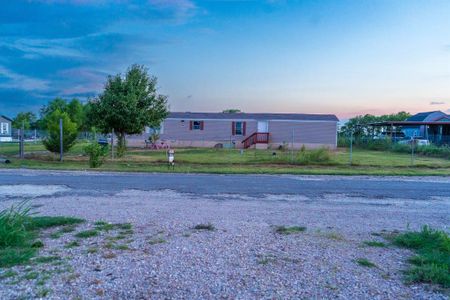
(320, 155)
(97, 154)
(434, 151)
(13, 231)
(343, 141)
(432, 262)
(401, 148)
(52, 142)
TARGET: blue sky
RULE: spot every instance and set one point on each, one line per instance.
(342, 57)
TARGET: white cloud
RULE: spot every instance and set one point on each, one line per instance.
(21, 82)
(437, 103)
(44, 47)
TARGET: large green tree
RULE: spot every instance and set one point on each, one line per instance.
(360, 125)
(128, 104)
(74, 109)
(25, 119)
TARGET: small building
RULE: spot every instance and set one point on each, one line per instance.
(5, 129)
(433, 126)
(245, 130)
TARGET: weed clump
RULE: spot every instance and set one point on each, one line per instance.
(431, 264)
(289, 230)
(207, 226)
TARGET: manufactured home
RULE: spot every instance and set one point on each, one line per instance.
(249, 130)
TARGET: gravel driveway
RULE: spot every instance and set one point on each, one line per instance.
(242, 257)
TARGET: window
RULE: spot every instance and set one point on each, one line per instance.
(4, 128)
(196, 125)
(238, 128)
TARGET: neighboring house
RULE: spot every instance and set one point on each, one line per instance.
(244, 130)
(424, 130)
(433, 126)
(5, 129)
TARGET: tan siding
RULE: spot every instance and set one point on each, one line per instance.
(214, 130)
(304, 132)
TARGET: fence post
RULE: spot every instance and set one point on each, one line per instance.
(412, 150)
(351, 147)
(292, 147)
(61, 140)
(22, 132)
(112, 144)
(19, 133)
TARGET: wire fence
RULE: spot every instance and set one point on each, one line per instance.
(381, 148)
(11, 145)
(438, 146)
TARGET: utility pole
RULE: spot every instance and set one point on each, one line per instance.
(61, 140)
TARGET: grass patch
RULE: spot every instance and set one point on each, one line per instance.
(44, 292)
(289, 229)
(104, 226)
(365, 262)
(31, 275)
(374, 244)
(72, 244)
(124, 226)
(232, 161)
(121, 247)
(46, 259)
(87, 233)
(44, 222)
(117, 237)
(126, 232)
(56, 235)
(67, 229)
(157, 241)
(37, 244)
(109, 255)
(431, 264)
(333, 236)
(265, 259)
(8, 274)
(207, 226)
(15, 256)
(92, 250)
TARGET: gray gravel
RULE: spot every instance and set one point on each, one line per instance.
(242, 258)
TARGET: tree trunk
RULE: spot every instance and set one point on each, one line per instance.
(121, 144)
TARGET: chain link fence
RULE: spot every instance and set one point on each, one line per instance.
(10, 146)
(384, 145)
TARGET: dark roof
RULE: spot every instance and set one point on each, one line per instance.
(422, 116)
(5, 117)
(252, 116)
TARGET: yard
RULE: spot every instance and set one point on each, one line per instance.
(232, 161)
(178, 236)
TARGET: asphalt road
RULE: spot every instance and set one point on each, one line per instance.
(251, 185)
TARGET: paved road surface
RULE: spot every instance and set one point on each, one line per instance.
(252, 185)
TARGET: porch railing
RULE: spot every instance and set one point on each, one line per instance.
(256, 138)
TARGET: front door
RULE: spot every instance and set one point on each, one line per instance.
(263, 126)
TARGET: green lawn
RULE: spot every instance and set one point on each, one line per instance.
(231, 161)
